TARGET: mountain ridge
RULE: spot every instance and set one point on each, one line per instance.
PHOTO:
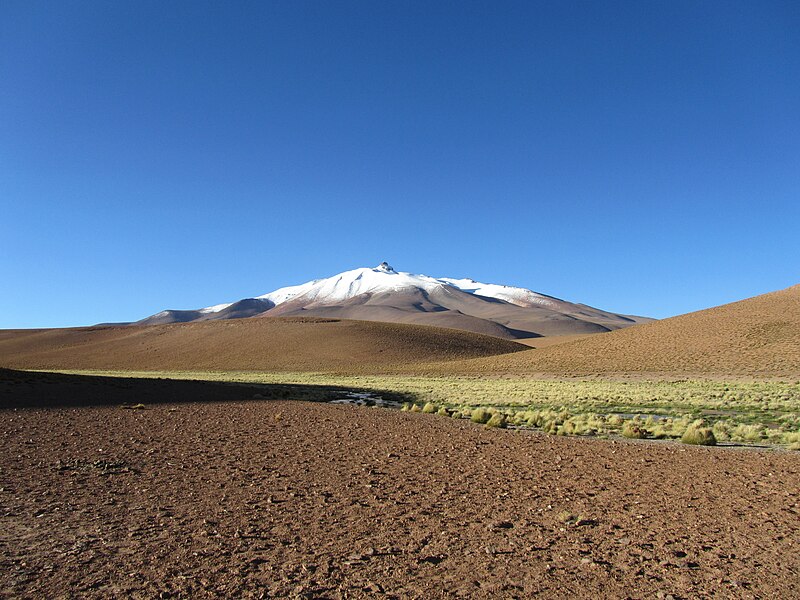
(383, 294)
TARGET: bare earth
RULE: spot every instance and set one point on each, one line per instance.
(260, 498)
(287, 344)
(758, 337)
(754, 338)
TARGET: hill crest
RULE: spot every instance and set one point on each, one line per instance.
(755, 337)
(276, 344)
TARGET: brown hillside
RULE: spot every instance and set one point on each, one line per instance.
(240, 345)
(757, 337)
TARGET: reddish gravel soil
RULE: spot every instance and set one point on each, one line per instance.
(261, 498)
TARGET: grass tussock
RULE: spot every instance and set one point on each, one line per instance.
(698, 435)
(566, 517)
(497, 420)
(480, 415)
(634, 431)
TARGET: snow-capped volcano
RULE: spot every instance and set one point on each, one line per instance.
(384, 278)
(383, 294)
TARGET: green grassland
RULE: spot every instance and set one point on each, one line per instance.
(757, 412)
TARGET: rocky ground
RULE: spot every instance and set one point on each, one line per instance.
(261, 498)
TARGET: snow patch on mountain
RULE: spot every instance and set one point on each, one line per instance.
(351, 284)
(384, 278)
(513, 295)
(214, 309)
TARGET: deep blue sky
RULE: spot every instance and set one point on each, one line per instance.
(641, 157)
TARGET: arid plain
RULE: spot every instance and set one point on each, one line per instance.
(198, 460)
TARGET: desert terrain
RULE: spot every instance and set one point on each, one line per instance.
(754, 338)
(211, 462)
(382, 300)
(758, 337)
(196, 497)
(287, 344)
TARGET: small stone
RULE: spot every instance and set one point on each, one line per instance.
(355, 557)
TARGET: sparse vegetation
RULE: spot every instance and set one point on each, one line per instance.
(429, 408)
(566, 517)
(633, 430)
(792, 440)
(698, 435)
(748, 433)
(760, 412)
(480, 415)
(497, 420)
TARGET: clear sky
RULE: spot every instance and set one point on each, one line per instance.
(642, 157)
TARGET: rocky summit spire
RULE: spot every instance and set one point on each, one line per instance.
(385, 267)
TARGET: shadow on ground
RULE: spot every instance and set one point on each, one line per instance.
(27, 389)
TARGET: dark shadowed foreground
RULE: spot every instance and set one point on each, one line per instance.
(257, 498)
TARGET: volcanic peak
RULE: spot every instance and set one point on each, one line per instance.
(383, 294)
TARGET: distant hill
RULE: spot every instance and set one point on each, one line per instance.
(302, 344)
(383, 294)
(758, 337)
